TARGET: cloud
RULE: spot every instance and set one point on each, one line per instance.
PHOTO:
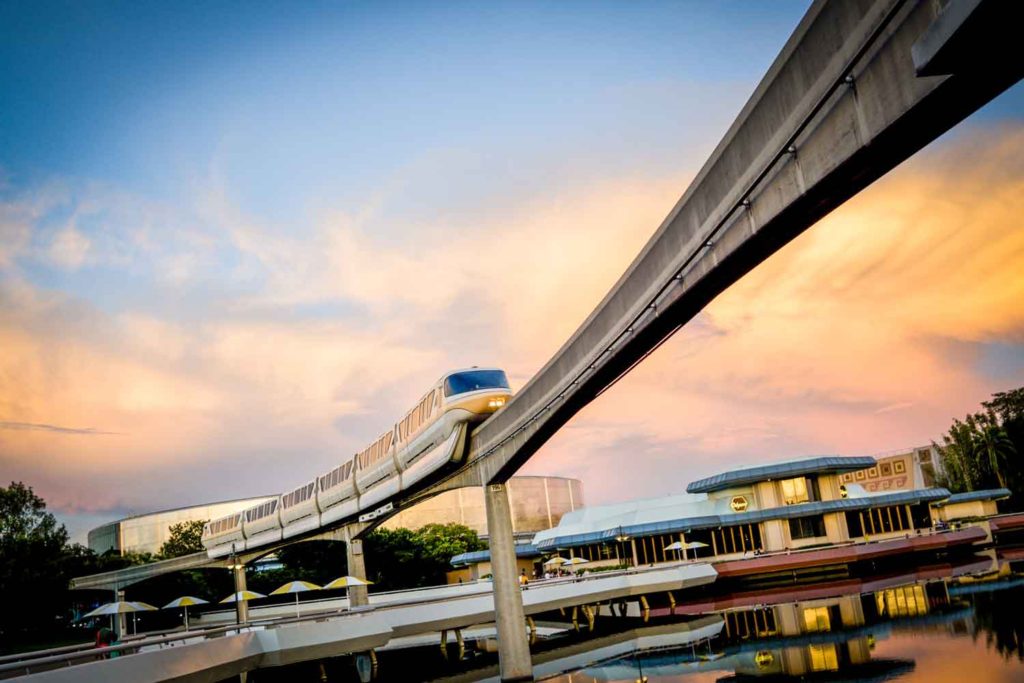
(865, 334)
(69, 248)
(250, 356)
(56, 429)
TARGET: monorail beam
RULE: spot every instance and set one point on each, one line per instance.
(842, 105)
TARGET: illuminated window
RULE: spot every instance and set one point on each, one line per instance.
(816, 619)
(823, 657)
(799, 490)
(908, 601)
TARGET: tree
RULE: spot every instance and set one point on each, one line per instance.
(994, 448)
(402, 558)
(983, 450)
(23, 517)
(956, 454)
(185, 538)
(441, 542)
(32, 561)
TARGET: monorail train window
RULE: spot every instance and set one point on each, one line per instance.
(474, 380)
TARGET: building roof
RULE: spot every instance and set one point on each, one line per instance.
(673, 518)
(780, 470)
(522, 550)
(971, 496)
(183, 508)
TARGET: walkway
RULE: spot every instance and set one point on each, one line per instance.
(218, 653)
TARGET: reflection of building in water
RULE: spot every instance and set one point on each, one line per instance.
(819, 638)
(830, 634)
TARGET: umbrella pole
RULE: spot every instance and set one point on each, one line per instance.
(296, 605)
(186, 618)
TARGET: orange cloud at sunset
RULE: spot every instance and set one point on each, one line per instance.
(869, 332)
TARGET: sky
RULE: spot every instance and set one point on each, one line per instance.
(239, 240)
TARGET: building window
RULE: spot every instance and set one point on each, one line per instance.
(807, 527)
(880, 520)
(816, 619)
(739, 538)
(754, 623)
(799, 490)
(823, 657)
(908, 601)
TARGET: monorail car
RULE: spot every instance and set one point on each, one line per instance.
(299, 510)
(336, 493)
(219, 535)
(427, 438)
(261, 524)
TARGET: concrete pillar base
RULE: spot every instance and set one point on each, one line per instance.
(357, 595)
(241, 606)
(513, 648)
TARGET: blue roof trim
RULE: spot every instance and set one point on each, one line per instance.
(711, 521)
(971, 496)
(750, 475)
(522, 550)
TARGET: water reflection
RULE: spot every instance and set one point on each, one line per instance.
(942, 623)
(858, 636)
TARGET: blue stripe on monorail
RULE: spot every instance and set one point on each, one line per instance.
(524, 550)
(713, 521)
(780, 470)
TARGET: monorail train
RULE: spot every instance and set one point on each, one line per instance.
(429, 437)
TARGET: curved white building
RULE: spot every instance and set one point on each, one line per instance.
(146, 532)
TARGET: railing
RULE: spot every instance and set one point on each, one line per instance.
(71, 654)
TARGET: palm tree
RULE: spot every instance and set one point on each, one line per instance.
(993, 447)
(957, 454)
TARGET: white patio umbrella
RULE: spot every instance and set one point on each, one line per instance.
(693, 545)
(120, 607)
(295, 587)
(677, 546)
(185, 602)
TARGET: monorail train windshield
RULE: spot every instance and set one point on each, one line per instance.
(474, 380)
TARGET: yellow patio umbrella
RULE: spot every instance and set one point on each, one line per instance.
(296, 587)
(241, 596)
(185, 602)
(555, 561)
(348, 582)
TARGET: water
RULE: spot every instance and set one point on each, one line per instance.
(913, 625)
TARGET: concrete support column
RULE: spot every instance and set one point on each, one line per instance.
(122, 619)
(513, 648)
(241, 606)
(357, 595)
